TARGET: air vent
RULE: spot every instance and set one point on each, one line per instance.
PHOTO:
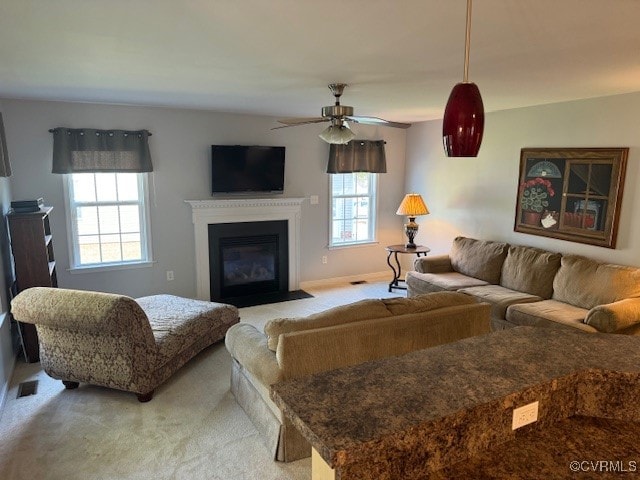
(27, 388)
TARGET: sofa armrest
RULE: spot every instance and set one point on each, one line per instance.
(249, 347)
(87, 336)
(94, 313)
(435, 264)
(615, 317)
(307, 352)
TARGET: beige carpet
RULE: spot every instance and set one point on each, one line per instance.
(192, 429)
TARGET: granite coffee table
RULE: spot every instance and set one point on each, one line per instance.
(447, 412)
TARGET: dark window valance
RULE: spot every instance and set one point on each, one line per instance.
(5, 166)
(77, 150)
(357, 156)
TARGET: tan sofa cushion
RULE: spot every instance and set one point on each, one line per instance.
(615, 317)
(425, 303)
(433, 264)
(586, 283)
(418, 283)
(478, 258)
(354, 312)
(530, 270)
(548, 313)
(499, 297)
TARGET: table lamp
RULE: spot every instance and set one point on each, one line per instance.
(412, 205)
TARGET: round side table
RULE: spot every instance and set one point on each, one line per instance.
(419, 250)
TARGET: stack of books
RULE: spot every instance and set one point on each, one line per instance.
(27, 206)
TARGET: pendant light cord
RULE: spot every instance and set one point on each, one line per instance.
(467, 44)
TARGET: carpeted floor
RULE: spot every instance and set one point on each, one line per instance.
(192, 429)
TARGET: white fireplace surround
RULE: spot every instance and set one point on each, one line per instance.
(208, 212)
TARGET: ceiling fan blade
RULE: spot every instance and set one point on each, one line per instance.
(299, 121)
(377, 121)
(302, 121)
(294, 122)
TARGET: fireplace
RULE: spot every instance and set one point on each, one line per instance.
(248, 259)
(206, 213)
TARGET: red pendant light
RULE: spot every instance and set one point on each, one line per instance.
(463, 122)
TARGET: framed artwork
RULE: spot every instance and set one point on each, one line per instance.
(571, 193)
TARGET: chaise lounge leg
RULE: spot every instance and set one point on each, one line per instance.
(145, 397)
(70, 385)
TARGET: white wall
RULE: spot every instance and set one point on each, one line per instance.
(7, 355)
(180, 147)
(477, 196)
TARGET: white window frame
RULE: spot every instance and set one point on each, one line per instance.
(72, 236)
(373, 212)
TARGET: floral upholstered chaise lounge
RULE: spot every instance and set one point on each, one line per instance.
(116, 341)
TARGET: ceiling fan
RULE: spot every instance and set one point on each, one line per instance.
(339, 131)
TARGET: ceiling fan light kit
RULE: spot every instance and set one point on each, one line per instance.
(338, 132)
(463, 122)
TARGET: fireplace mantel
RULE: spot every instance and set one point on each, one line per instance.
(208, 212)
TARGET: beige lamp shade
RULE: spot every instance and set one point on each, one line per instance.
(412, 205)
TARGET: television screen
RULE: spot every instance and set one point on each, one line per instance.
(236, 169)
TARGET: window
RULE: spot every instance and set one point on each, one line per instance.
(108, 219)
(353, 208)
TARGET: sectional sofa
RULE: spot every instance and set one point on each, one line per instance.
(338, 337)
(534, 287)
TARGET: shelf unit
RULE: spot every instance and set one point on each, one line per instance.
(32, 246)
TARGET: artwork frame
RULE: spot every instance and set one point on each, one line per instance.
(572, 194)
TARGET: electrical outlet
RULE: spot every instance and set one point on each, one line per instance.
(325, 260)
(525, 415)
(169, 275)
(314, 199)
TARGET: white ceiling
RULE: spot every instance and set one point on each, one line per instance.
(275, 57)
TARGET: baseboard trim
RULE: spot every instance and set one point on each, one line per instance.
(325, 282)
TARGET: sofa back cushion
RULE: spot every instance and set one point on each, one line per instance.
(586, 283)
(478, 258)
(354, 312)
(305, 353)
(530, 270)
(364, 310)
(427, 302)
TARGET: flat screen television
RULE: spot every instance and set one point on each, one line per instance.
(243, 169)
